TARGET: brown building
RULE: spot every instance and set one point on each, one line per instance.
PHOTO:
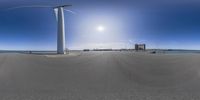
(140, 47)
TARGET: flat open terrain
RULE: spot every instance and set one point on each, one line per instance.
(100, 76)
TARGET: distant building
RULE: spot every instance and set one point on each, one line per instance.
(140, 47)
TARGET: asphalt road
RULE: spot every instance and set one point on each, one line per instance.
(100, 76)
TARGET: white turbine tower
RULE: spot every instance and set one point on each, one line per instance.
(59, 11)
(61, 29)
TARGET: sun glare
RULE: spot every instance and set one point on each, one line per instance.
(100, 28)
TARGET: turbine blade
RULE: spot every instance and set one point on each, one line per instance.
(56, 13)
(70, 11)
(33, 6)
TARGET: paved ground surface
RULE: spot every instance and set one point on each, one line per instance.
(100, 76)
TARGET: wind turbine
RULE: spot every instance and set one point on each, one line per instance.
(59, 11)
(61, 29)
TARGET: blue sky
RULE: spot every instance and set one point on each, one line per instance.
(159, 24)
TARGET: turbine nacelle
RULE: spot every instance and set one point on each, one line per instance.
(62, 6)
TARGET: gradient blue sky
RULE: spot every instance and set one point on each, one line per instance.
(161, 24)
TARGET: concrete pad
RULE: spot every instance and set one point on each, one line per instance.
(63, 55)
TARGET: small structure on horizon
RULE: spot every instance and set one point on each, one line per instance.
(139, 47)
(102, 49)
(86, 49)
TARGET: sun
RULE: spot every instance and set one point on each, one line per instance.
(100, 28)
